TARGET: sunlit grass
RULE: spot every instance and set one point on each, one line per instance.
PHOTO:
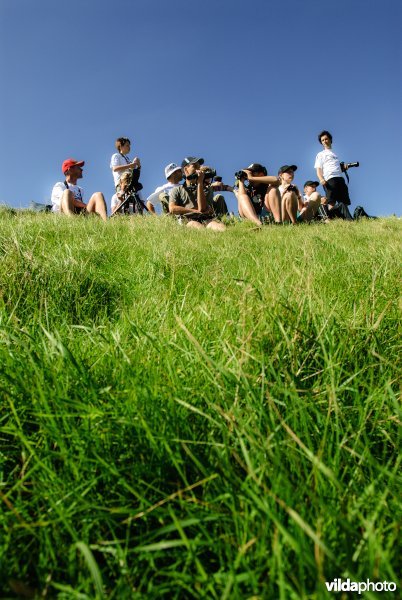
(196, 415)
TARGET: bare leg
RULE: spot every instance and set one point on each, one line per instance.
(289, 207)
(272, 203)
(67, 203)
(195, 225)
(216, 226)
(97, 205)
(309, 211)
(245, 206)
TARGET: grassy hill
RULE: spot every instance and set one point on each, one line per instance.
(187, 414)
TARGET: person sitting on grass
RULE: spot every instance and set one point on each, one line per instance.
(310, 203)
(128, 201)
(192, 200)
(290, 194)
(68, 197)
(261, 192)
(174, 175)
(218, 201)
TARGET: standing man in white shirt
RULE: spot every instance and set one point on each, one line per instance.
(68, 197)
(330, 176)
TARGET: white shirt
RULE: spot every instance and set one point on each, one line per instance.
(118, 160)
(328, 161)
(58, 190)
(154, 198)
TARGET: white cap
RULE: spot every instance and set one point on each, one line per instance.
(171, 168)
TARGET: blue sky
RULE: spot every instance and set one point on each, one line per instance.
(234, 82)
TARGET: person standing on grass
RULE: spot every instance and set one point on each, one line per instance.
(192, 200)
(260, 193)
(121, 163)
(68, 197)
(330, 176)
(174, 175)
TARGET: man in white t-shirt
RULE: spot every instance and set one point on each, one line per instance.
(68, 197)
(174, 175)
(330, 176)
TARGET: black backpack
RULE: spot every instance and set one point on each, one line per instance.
(361, 213)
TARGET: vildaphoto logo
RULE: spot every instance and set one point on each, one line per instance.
(346, 585)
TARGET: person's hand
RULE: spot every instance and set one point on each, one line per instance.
(248, 173)
(201, 175)
(323, 182)
(136, 164)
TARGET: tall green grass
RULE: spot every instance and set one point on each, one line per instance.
(188, 414)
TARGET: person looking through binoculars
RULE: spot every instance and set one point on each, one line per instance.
(120, 162)
(193, 200)
(257, 190)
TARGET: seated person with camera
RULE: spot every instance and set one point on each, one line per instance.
(193, 200)
(68, 198)
(215, 183)
(290, 194)
(174, 175)
(329, 172)
(260, 191)
(128, 200)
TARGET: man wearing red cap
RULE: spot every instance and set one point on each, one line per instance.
(68, 197)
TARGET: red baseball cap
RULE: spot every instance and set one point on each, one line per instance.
(71, 162)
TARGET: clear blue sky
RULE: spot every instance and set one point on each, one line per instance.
(234, 82)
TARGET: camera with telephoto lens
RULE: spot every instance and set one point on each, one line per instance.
(345, 166)
(240, 175)
(210, 174)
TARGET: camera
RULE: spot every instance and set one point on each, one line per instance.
(241, 175)
(345, 166)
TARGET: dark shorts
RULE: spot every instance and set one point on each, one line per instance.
(336, 190)
(258, 206)
(78, 210)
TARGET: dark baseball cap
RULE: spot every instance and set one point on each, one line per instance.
(285, 168)
(190, 160)
(312, 183)
(256, 168)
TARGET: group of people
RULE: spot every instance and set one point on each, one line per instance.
(197, 201)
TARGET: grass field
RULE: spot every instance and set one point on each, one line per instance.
(187, 414)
